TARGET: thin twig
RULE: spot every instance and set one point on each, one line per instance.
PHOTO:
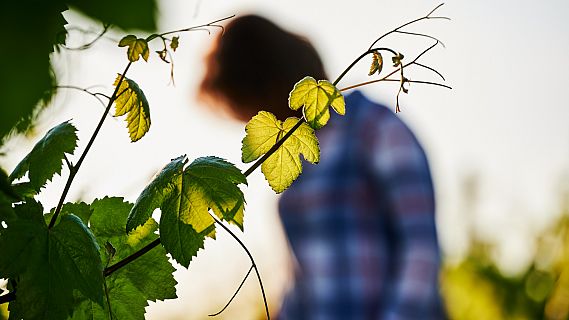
(394, 80)
(428, 16)
(69, 165)
(432, 69)
(73, 172)
(108, 299)
(200, 27)
(92, 42)
(425, 51)
(421, 35)
(234, 295)
(253, 264)
(93, 94)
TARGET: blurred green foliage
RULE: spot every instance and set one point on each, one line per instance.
(32, 30)
(477, 289)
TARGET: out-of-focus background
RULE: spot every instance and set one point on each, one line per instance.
(498, 143)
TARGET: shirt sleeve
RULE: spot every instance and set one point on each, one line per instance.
(400, 168)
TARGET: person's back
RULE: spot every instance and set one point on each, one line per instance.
(361, 223)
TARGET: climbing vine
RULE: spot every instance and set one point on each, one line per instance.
(108, 258)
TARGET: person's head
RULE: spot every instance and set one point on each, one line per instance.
(254, 65)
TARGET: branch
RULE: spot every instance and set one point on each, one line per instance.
(234, 295)
(73, 172)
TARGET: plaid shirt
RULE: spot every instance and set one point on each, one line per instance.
(361, 223)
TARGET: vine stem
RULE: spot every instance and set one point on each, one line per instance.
(108, 271)
(210, 24)
(93, 94)
(427, 16)
(73, 170)
(394, 80)
(253, 264)
(235, 294)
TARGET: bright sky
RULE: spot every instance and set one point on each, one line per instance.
(506, 120)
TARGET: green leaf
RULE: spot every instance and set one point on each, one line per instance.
(46, 158)
(26, 79)
(376, 63)
(316, 97)
(181, 240)
(132, 100)
(7, 189)
(154, 195)
(49, 265)
(212, 183)
(185, 197)
(125, 14)
(175, 43)
(136, 47)
(80, 209)
(283, 166)
(149, 277)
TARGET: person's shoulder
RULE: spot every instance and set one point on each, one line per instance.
(365, 109)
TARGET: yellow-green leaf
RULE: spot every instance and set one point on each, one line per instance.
(283, 166)
(132, 100)
(316, 97)
(376, 63)
(175, 43)
(136, 47)
(397, 59)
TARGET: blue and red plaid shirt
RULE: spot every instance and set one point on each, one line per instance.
(361, 223)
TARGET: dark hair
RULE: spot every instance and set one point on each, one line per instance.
(254, 65)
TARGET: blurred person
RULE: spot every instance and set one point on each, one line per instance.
(361, 223)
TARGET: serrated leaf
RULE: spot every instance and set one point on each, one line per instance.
(132, 100)
(283, 166)
(49, 265)
(376, 63)
(46, 158)
(181, 240)
(175, 43)
(80, 209)
(185, 197)
(212, 183)
(208, 182)
(137, 47)
(316, 97)
(152, 197)
(148, 278)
